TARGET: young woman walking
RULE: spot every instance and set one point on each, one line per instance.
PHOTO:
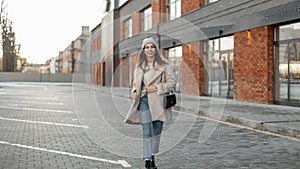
(153, 77)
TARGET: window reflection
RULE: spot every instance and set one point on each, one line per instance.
(147, 19)
(219, 64)
(289, 31)
(173, 9)
(210, 1)
(128, 28)
(287, 81)
(175, 58)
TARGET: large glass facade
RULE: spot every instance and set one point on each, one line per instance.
(219, 66)
(287, 64)
(175, 57)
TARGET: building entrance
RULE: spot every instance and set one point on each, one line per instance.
(288, 73)
(287, 64)
(219, 66)
(226, 82)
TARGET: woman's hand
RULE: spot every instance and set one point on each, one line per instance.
(134, 95)
(151, 89)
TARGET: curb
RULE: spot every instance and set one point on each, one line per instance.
(257, 125)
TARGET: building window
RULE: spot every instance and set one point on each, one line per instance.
(287, 64)
(121, 2)
(219, 64)
(210, 1)
(147, 19)
(99, 42)
(128, 28)
(173, 9)
(175, 57)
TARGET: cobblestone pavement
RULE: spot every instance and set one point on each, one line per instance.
(61, 126)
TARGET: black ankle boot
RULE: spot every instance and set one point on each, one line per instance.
(147, 164)
(153, 163)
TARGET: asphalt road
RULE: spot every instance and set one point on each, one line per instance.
(67, 126)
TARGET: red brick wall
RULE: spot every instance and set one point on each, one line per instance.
(96, 73)
(155, 12)
(93, 73)
(193, 68)
(192, 57)
(136, 23)
(190, 5)
(99, 73)
(122, 71)
(99, 42)
(254, 65)
(121, 30)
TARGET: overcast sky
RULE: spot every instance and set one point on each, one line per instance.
(45, 27)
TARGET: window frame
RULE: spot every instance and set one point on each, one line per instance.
(169, 7)
(127, 28)
(210, 1)
(148, 11)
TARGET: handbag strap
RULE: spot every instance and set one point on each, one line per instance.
(163, 79)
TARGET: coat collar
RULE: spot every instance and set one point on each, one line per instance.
(159, 69)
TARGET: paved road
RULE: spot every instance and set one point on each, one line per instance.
(63, 126)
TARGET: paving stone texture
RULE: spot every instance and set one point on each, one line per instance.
(54, 126)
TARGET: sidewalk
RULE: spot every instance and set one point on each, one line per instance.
(283, 120)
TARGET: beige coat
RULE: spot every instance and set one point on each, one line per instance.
(155, 100)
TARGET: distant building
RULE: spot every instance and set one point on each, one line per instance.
(36, 68)
(243, 50)
(70, 59)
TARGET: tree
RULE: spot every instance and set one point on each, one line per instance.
(8, 41)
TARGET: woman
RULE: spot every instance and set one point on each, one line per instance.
(153, 76)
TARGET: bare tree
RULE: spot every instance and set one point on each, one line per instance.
(2, 9)
(8, 41)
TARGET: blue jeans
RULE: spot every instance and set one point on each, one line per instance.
(151, 130)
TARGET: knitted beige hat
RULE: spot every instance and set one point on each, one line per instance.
(150, 40)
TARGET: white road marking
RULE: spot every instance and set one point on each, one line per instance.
(32, 109)
(31, 97)
(120, 162)
(36, 102)
(42, 122)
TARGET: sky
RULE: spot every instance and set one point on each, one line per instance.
(45, 27)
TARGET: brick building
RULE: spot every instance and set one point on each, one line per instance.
(247, 50)
(71, 59)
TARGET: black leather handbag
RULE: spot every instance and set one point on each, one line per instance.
(169, 100)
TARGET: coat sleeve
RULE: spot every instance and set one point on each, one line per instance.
(169, 82)
(133, 83)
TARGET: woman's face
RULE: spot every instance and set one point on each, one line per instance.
(149, 50)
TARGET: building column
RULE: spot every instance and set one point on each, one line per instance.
(254, 65)
(193, 68)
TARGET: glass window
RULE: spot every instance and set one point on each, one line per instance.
(121, 2)
(128, 28)
(287, 64)
(210, 1)
(291, 31)
(219, 64)
(147, 19)
(175, 57)
(173, 9)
